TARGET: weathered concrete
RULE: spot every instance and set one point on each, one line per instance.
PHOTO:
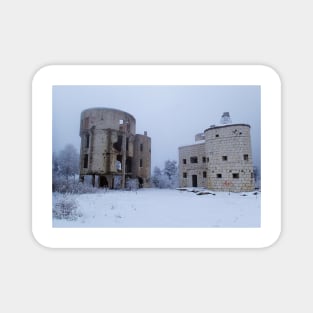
(111, 149)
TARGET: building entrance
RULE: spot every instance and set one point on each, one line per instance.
(194, 181)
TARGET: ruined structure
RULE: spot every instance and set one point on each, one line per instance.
(111, 151)
(221, 161)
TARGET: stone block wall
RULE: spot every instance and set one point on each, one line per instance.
(224, 160)
(230, 163)
(192, 166)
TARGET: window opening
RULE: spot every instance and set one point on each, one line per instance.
(87, 140)
(194, 160)
(86, 161)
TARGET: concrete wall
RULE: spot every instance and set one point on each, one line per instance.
(109, 146)
(142, 158)
(105, 118)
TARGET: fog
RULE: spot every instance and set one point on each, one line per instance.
(172, 115)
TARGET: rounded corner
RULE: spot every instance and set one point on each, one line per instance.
(272, 72)
(40, 72)
(39, 241)
(273, 240)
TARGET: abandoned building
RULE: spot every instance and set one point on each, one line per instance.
(111, 151)
(220, 160)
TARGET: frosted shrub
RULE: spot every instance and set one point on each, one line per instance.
(65, 207)
(132, 184)
(81, 188)
(166, 178)
(63, 185)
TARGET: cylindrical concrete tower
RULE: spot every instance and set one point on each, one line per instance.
(108, 139)
(229, 155)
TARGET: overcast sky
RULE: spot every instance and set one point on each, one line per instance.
(172, 115)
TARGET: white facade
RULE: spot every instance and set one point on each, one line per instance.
(223, 162)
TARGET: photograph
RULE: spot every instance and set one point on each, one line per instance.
(156, 156)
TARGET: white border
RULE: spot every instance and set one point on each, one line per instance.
(261, 75)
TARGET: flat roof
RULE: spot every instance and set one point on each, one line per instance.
(108, 109)
(226, 125)
(195, 144)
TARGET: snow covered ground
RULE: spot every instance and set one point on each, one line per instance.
(162, 208)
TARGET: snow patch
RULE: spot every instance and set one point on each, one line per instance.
(183, 207)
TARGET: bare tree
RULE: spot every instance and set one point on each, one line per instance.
(68, 162)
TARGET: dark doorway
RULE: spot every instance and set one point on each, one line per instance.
(140, 181)
(103, 183)
(194, 181)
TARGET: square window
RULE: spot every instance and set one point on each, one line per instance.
(194, 160)
(224, 157)
(236, 175)
(218, 175)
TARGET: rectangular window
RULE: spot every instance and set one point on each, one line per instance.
(184, 175)
(235, 175)
(86, 161)
(218, 175)
(252, 175)
(203, 159)
(194, 160)
(141, 147)
(224, 157)
(86, 123)
(87, 140)
(204, 174)
(184, 161)
(140, 163)
(246, 157)
(207, 159)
